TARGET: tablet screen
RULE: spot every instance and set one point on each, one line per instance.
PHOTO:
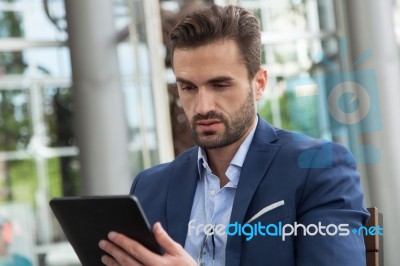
(87, 220)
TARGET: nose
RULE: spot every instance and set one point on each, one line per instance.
(205, 102)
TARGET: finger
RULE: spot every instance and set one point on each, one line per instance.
(109, 261)
(118, 257)
(165, 241)
(134, 249)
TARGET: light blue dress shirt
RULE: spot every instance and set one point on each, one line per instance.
(212, 205)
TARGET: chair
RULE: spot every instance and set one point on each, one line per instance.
(374, 243)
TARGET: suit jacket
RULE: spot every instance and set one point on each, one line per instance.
(301, 179)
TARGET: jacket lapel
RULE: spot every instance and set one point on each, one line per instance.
(180, 197)
(258, 159)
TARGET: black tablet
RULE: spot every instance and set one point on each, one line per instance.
(87, 220)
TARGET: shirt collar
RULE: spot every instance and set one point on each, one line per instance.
(240, 154)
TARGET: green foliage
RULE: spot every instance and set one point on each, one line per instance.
(23, 182)
(14, 120)
(11, 26)
(266, 112)
(297, 113)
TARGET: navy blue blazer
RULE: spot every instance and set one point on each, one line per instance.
(307, 180)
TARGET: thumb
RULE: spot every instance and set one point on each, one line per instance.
(164, 240)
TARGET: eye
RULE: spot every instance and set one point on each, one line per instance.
(187, 87)
(221, 85)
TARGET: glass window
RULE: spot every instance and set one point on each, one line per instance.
(38, 156)
(15, 127)
(18, 181)
(295, 34)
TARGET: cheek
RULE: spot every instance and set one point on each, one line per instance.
(185, 106)
(187, 100)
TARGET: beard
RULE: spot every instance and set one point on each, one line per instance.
(234, 127)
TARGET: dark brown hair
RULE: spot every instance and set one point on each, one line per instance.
(215, 23)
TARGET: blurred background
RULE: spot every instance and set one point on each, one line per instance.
(87, 100)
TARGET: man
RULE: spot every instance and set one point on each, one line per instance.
(245, 174)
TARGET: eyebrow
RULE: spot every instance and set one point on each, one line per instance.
(213, 80)
(182, 80)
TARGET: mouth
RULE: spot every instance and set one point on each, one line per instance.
(207, 122)
(208, 125)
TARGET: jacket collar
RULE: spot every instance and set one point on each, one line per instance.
(181, 191)
(258, 159)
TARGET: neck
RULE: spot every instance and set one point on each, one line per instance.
(220, 158)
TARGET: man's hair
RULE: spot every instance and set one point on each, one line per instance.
(215, 23)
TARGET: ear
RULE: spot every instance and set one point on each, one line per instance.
(261, 82)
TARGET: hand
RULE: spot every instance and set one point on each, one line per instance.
(124, 251)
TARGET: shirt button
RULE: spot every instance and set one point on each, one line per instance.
(212, 192)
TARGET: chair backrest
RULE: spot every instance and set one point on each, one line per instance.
(374, 240)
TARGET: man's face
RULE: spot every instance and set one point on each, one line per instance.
(216, 93)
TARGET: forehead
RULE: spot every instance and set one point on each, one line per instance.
(207, 61)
